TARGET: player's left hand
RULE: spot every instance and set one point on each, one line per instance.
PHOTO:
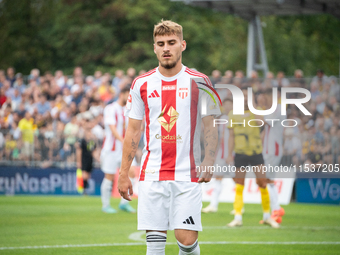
(204, 172)
(125, 187)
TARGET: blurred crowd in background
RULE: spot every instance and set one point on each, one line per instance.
(42, 115)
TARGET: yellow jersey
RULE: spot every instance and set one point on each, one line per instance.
(247, 139)
(27, 130)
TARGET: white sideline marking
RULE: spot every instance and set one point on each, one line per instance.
(143, 244)
(281, 227)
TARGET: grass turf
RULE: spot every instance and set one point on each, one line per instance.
(39, 221)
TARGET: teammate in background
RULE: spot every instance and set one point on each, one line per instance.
(272, 153)
(169, 195)
(85, 153)
(115, 126)
(222, 153)
(246, 142)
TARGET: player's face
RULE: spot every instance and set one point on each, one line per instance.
(168, 49)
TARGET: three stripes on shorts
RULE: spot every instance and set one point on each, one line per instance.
(189, 221)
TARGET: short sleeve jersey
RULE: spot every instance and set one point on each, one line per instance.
(171, 106)
(247, 139)
(114, 115)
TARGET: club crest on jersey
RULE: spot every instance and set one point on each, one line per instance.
(168, 120)
(183, 92)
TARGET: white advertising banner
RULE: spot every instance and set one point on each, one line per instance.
(251, 192)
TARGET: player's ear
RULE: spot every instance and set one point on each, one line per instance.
(184, 45)
(154, 48)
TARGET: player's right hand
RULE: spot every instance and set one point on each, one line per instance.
(125, 187)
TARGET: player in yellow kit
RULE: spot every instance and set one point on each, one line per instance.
(246, 142)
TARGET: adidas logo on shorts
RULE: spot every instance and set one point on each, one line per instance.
(189, 221)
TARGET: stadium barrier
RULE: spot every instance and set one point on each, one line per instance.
(48, 181)
(318, 190)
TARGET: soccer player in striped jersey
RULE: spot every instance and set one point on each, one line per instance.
(272, 153)
(221, 158)
(115, 126)
(169, 194)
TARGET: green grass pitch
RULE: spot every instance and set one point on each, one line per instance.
(52, 221)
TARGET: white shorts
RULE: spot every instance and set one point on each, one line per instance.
(110, 161)
(169, 205)
(271, 160)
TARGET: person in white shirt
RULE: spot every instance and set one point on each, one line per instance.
(273, 152)
(115, 126)
(169, 194)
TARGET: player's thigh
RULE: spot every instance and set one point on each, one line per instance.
(257, 162)
(153, 206)
(186, 206)
(271, 162)
(109, 161)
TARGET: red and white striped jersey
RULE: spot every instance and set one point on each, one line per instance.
(114, 115)
(223, 134)
(171, 106)
(273, 133)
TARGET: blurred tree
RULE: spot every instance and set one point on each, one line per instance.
(112, 34)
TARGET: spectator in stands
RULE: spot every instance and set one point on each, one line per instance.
(98, 78)
(130, 75)
(281, 80)
(3, 97)
(16, 100)
(291, 148)
(77, 94)
(9, 91)
(215, 77)
(70, 132)
(60, 79)
(67, 96)
(105, 90)
(299, 80)
(228, 77)
(2, 78)
(7, 117)
(320, 105)
(321, 79)
(34, 76)
(268, 82)
(11, 75)
(19, 83)
(314, 91)
(43, 105)
(27, 131)
(89, 84)
(77, 72)
(335, 87)
(117, 82)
